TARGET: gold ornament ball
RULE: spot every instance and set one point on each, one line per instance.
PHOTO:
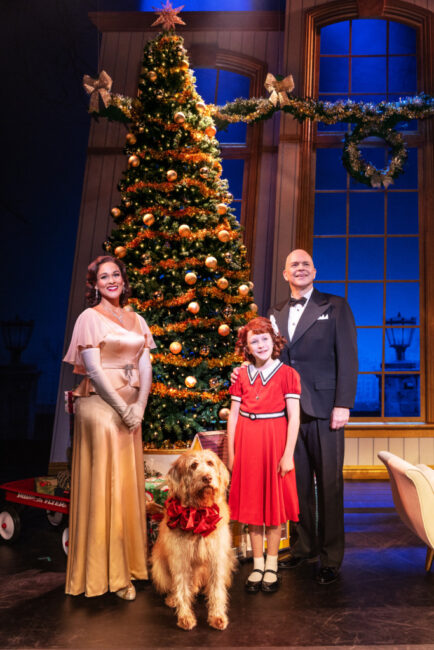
(190, 278)
(148, 219)
(210, 131)
(190, 381)
(253, 307)
(203, 172)
(222, 283)
(200, 106)
(120, 251)
(134, 161)
(211, 262)
(224, 414)
(115, 212)
(131, 138)
(224, 235)
(243, 289)
(222, 208)
(152, 75)
(171, 175)
(184, 230)
(224, 329)
(179, 117)
(193, 307)
(175, 347)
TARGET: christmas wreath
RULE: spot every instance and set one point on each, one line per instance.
(366, 172)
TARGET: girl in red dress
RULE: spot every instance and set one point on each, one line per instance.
(262, 431)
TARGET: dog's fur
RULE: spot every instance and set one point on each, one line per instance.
(183, 563)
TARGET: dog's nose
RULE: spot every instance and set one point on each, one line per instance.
(207, 479)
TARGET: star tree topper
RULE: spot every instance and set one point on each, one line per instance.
(167, 17)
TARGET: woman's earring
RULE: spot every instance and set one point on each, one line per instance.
(123, 290)
(96, 293)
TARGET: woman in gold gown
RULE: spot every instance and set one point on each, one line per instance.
(110, 346)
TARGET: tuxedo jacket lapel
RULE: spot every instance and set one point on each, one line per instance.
(281, 317)
(316, 306)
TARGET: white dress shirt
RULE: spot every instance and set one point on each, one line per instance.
(295, 313)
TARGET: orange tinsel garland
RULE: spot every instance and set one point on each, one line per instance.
(184, 393)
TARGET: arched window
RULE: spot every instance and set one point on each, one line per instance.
(367, 243)
(222, 76)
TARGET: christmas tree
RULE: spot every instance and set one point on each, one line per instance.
(182, 245)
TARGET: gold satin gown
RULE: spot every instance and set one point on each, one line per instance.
(107, 521)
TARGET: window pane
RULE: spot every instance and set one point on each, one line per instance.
(367, 214)
(335, 38)
(402, 258)
(370, 349)
(366, 258)
(330, 214)
(206, 79)
(368, 36)
(402, 74)
(366, 302)
(402, 351)
(336, 288)
(402, 396)
(374, 155)
(402, 213)
(402, 298)
(234, 134)
(402, 39)
(232, 85)
(233, 171)
(330, 173)
(236, 206)
(333, 76)
(368, 74)
(408, 180)
(368, 395)
(329, 256)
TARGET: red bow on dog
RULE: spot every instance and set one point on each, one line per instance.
(200, 521)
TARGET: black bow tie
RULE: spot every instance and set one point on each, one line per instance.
(297, 301)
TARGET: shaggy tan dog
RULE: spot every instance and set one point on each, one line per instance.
(193, 549)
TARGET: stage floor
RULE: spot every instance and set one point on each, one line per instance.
(383, 597)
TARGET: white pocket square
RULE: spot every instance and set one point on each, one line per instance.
(323, 317)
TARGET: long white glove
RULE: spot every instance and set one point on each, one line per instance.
(92, 362)
(136, 410)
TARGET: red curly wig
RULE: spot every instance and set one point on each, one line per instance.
(258, 325)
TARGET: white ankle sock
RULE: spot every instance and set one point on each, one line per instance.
(258, 563)
(271, 563)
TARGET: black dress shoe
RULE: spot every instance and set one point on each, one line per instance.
(327, 575)
(270, 587)
(291, 562)
(253, 586)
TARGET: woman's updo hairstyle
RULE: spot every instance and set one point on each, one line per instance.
(92, 296)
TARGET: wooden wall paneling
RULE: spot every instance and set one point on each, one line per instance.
(366, 451)
(351, 451)
(380, 444)
(224, 40)
(411, 450)
(248, 44)
(396, 446)
(426, 451)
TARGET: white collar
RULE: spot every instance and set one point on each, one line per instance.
(265, 374)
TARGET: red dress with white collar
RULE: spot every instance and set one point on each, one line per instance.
(259, 495)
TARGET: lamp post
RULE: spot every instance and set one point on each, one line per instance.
(399, 335)
(16, 336)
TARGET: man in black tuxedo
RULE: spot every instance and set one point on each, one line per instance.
(322, 347)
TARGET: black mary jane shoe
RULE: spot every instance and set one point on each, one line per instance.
(270, 587)
(253, 586)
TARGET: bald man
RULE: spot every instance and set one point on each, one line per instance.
(322, 347)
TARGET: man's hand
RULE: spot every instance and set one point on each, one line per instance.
(339, 417)
(234, 374)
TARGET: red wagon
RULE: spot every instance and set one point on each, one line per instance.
(22, 493)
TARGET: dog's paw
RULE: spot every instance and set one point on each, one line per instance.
(187, 622)
(219, 622)
(170, 600)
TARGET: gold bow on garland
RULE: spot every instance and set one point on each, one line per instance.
(279, 89)
(97, 88)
